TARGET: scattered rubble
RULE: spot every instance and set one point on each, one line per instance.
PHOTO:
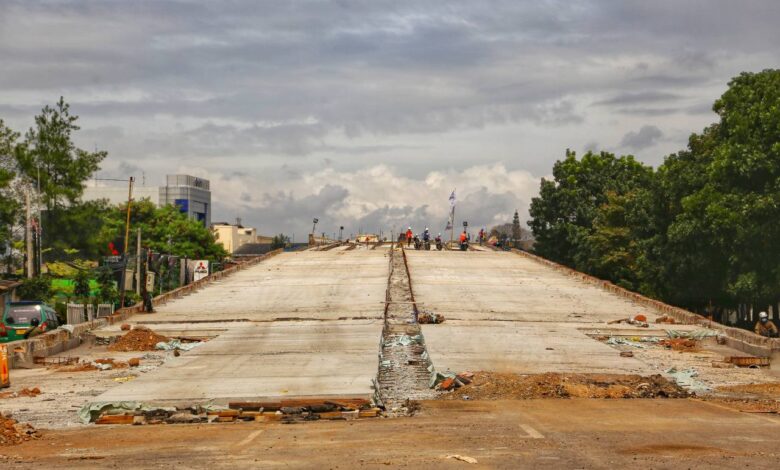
(25, 392)
(429, 318)
(285, 411)
(138, 339)
(637, 320)
(12, 432)
(494, 386)
(680, 344)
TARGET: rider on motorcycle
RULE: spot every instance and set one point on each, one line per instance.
(426, 235)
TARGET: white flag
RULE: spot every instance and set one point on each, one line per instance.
(452, 199)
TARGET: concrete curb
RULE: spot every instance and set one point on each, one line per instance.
(737, 338)
(23, 352)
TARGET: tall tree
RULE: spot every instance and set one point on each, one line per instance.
(53, 159)
(562, 215)
(9, 205)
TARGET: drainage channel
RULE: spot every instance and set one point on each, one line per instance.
(404, 365)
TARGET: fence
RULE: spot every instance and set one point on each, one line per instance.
(76, 314)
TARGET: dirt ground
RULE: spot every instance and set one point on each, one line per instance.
(497, 386)
(64, 389)
(548, 433)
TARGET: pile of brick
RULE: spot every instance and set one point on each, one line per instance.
(285, 411)
(12, 432)
(139, 338)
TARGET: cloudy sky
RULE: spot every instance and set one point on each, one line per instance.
(368, 113)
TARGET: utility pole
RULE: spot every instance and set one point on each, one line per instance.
(28, 235)
(127, 239)
(138, 262)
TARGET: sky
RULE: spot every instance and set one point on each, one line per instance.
(367, 114)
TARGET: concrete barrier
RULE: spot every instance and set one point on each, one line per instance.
(737, 338)
(23, 352)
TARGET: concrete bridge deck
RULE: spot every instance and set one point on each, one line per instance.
(299, 324)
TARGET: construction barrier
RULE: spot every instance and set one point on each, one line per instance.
(5, 377)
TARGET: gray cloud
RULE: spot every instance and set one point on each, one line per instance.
(266, 91)
(646, 137)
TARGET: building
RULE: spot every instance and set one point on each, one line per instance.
(232, 237)
(192, 195)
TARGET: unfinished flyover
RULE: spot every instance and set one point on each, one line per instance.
(309, 324)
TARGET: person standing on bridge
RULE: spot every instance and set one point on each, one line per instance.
(409, 236)
(764, 327)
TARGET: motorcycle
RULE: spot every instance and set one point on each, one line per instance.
(417, 243)
(439, 245)
(464, 246)
(427, 245)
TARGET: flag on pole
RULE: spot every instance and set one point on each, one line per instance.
(451, 220)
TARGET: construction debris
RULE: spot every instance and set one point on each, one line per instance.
(686, 379)
(25, 392)
(13, 432)
(680, 344)
(495, 386)
(138, 339)
(462, 458)
(748, 361)
(637, 320)
(429, 318)
(666, 319)
(285, 411)
(175, 345)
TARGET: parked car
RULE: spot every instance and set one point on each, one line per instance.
(19, 318)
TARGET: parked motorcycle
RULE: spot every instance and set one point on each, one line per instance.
(439, 245)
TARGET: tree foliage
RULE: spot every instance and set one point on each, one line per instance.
(701, 229)
(36, 288)
(279, 241)
(52, 158)
(163, 230)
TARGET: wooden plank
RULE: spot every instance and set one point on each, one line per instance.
(115, 419)
(255, 405)
(372, 413)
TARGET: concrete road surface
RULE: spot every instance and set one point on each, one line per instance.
(508, 313)
(298, 324)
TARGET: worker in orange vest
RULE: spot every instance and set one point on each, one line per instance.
(409, 236)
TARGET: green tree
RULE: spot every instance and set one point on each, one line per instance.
(163, 230)
(562, 215)
(36, 288)
(279, 241)
(52, 158)
(81, 288)
(107, 290)
(9, 206)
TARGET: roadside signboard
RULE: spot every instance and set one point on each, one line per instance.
(201, 269)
